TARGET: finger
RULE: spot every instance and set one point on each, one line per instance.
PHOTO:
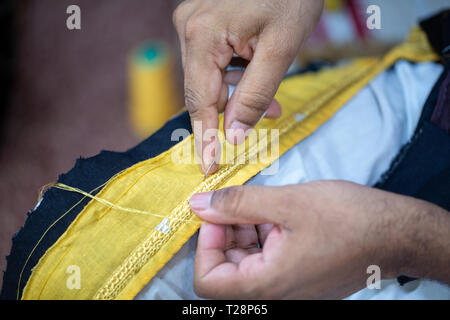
(274, 110)
(242, 240)
(244, 205)
(215, 277)
(204, 90)
(201, 98)
(236, 255)
(223, 98)
(263, 230)
(246, 237)
(211, 152)
(230, 240)
(211, 264)
(234, 76)
(256, 89)
(179, 19)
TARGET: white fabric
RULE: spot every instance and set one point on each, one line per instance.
(357, 144)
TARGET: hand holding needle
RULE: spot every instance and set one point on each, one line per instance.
(221, 147)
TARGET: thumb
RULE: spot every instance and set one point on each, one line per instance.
(242, 205)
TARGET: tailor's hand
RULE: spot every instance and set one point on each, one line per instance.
(267, 33)
(325, 235)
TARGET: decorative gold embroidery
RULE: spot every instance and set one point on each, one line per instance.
(317, 97)
(143, 253)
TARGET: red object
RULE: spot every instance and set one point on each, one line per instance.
(358, 21)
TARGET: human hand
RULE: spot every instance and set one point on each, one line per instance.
(267, 33)
(325, 236)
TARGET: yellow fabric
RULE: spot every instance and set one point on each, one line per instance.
(119, 252)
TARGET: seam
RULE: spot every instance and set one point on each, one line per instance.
(120, 278)
(124, 193)
(152, 244)
(51, 272)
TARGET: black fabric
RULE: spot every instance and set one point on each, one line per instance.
(441, 113)
(421, 170)
(422, 167)
(437, 29)
(87, 174)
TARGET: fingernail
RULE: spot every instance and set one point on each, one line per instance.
(206, 162)
(237, 132)
(200, 201)
(209, 155)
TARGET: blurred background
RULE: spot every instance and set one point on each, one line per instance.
(66, 93)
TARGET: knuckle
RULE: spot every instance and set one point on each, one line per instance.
(282, 44)
(192, 100)
(196, 25)
(180, 14)
(254, 100)
(177, 16)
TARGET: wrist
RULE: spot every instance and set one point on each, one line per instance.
(421, 240)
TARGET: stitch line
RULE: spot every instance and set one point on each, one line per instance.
(116, 280)
(138, 258)
(43, 235)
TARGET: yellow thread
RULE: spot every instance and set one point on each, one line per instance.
(155, 241)
(46, 231)
(152, 244)
(112, 205)
(43, 189)
(128, 189)
(116, 281)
